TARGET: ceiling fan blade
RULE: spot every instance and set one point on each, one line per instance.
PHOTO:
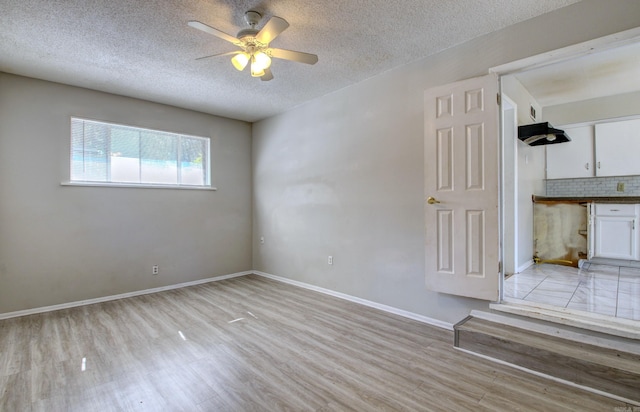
(295, 56)
(271, 30)
(267, 75)
(208, 29)
(220, 54)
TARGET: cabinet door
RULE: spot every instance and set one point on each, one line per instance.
(615, 231)
(615, 237)
(617, 147)
(574, 158)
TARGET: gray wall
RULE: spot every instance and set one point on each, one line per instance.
(343, 175)
(62, 244)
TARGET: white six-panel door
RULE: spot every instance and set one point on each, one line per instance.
(461, 188)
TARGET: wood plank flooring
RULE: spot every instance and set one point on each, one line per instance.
(610, 364)
(253, 344)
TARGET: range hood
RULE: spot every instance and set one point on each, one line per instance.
(539, 134)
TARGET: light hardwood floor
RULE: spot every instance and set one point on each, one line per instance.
(251, 343)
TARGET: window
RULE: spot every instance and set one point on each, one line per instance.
(122, 155)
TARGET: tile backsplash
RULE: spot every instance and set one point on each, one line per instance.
(593, 186)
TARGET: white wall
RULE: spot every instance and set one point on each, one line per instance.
(603, 108)
(530, 163)
(62, 244)
(531, 174)
(343, 175)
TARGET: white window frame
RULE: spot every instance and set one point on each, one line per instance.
(94, 183)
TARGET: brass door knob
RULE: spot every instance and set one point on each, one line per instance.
(431, 200)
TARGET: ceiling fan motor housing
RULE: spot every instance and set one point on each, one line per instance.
(252, 18)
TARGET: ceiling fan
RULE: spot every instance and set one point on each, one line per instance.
(254, 45)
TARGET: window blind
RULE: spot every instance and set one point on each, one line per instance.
(113, 153)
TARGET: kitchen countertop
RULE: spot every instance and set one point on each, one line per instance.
(607, 199)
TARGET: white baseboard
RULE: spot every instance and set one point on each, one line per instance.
(524, 266)
(115, 297)
(385, 308)
(375, 305)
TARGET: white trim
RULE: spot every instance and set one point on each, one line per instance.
(134, 185)
(119, 296)
(550, 377)
(525, 266)
(385, 308)
(375, 305)
(570, 52)
(508, 156)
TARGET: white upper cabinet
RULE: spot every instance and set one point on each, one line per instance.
(618, 148)
(574, 158)
(604, 149)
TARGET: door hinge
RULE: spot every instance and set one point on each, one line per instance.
(498, 99)
(499, 267)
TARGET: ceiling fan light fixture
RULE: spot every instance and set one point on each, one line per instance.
(254, 45)
(263, 60)
(240, 61)
(256, 68)
(256, 72)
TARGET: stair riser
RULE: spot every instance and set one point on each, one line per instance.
(618, 382)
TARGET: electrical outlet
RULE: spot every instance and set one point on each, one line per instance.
(155, 270)
(330, 260)
(620, 187)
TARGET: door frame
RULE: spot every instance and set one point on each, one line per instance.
(508, 207)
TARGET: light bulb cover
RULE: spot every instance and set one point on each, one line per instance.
(263, 60)
(256, 72)
(240, 61)
(256, 69)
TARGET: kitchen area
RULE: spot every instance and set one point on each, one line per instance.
(575, 206)
(592, 203)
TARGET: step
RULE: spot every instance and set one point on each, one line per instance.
(605, 363)
(607, 325)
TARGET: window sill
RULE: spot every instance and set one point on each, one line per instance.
(136, 186)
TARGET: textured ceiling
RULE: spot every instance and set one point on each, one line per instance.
(145, 49)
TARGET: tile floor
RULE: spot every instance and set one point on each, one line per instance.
(597, 288)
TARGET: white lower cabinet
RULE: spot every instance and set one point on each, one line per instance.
(615, 233)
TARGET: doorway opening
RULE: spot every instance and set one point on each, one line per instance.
(533, 91)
